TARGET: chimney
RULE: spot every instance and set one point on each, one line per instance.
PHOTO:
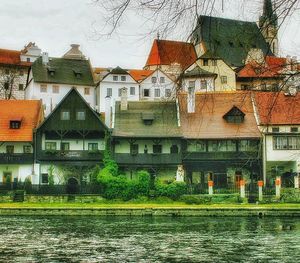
(45, 58)
(108, 111)
(191, 100)
(124, 103)
(74, 53)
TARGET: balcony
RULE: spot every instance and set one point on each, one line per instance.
(54, 155)
(16, 158)
(148, 159)
(195, 156)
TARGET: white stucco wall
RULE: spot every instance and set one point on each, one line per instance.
(17, 171)
(210, 84)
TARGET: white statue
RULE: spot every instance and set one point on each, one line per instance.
(180, 174)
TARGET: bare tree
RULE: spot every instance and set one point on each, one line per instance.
(7, 84)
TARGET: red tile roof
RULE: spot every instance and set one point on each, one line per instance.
(167, 52)
(12, 57)
(28, 111)
(270, 69)
(208, 123)
(140, 74)
(276, 108)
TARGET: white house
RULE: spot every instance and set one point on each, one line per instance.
(18, 120)
(112, 84)
(278, 117)
(50, 79)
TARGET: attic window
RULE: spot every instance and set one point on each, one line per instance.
(148, 118)
(235, 115)
(15, 124)
(231, 44)
(241, 45)
(51, 71)
(254, 46)
(77, 73)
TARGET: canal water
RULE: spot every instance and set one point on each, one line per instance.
(143, 239)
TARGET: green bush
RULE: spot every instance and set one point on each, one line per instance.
(173, 190)
(212, 199)
(196, 199)
(290, 195)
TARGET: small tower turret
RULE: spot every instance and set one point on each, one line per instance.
(268, 24)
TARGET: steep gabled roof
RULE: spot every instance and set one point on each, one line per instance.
(130, 123)
(118, 70)
(29, 112)
(229, 39)
(65, 71)
(275, 108)
(12, 57)
(140, 74)
(167, 52)
(208, 123)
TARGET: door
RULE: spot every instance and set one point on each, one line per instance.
(7, 179)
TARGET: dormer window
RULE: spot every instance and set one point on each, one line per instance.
(15, 124)
(51, 71)
(77, 73)
(235, 115)
(148, 118)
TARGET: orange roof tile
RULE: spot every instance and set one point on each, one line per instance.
(166, 52)
(208, 123)
(12, 57)
(270, 69)
(28, 111)
(140, 74)
(277, 108)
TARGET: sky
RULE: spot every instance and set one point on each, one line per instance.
(55, 24)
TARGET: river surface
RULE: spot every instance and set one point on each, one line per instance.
(142, 239)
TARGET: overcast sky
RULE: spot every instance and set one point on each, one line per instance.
(55, 24)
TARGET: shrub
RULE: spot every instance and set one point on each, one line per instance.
(196, 199)
(173, 190)
(290, 195)
(27, 184)
(212, 199)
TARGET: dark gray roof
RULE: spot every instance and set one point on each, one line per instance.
(161, 117)
(198, 72)
(229, 39)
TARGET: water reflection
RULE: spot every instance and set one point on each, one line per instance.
(137, 239)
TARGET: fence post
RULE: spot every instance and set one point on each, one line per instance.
(278, 186)
(260, 190)
(296, 181)
(242, 188)
(210, 187)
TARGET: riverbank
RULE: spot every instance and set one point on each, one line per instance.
(148, 209)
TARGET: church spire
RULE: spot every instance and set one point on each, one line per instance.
(269, 14)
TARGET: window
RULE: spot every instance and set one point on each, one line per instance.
(168, 93)
(132, 90)
(50, 145)
(224, 79)
(200, 146)
(286, 142)
(205, 62)
(235, 118)
(80, 115)
(245, 87)
(192, 84)
(28, 59)
(115, 78)
(65, 115)
(294, 129)
(86, 91)
(120, 92)
(6, 85)
(45, 178)
(174, 149)
(146, 93)
(275, 87)
(109, 92)
(153, 80)
(203, 84)
(157, 148)
(10, 149)
(263, 86)
(15, 124)
(123, 78)
(43, 88)
(21, 86)
(157, 93)
(214, 62)
(65, 146)
(248, 145)
(26, 149)
(275, 129)
(134, 149)
(93, 146)
(21, 72)
(222, 146)
(55, 89)
(162, 79)
(231, 44)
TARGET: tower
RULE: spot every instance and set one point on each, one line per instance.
(268, 24)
